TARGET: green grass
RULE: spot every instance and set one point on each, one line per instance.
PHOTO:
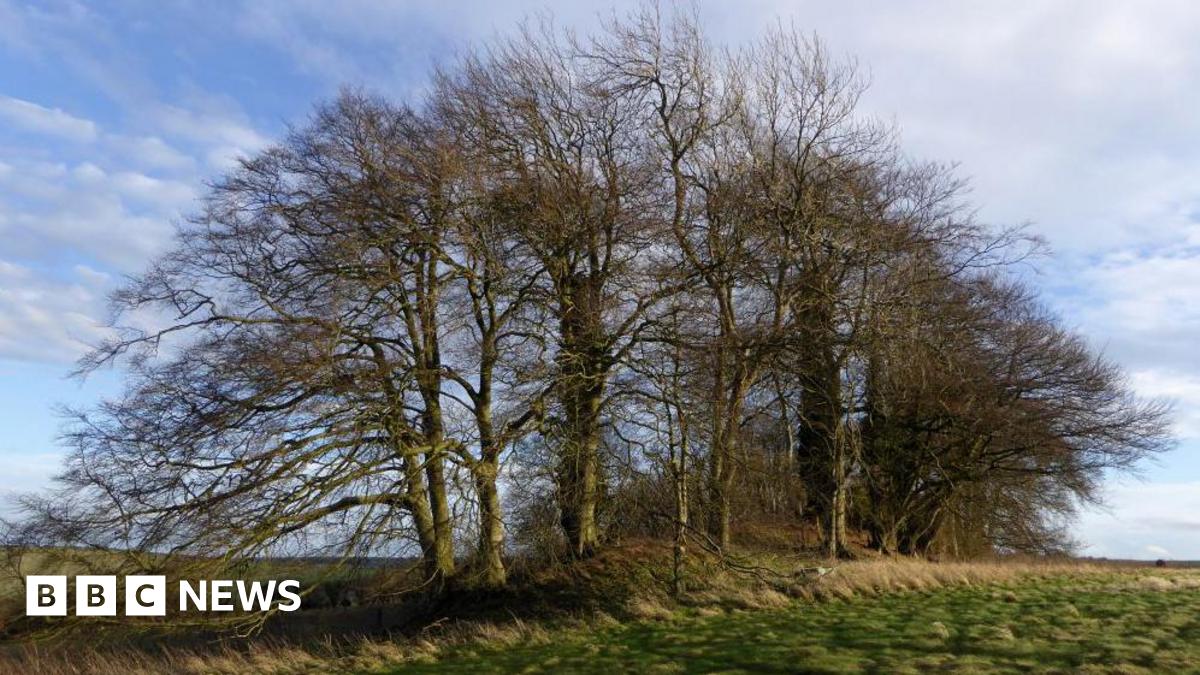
(1105, 623)
(611, 614)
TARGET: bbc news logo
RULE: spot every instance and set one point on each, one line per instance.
(146, 595)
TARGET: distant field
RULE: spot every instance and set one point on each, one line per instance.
(1111, 623)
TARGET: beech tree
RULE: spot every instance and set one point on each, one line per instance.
(576, 188)
(989, 422)
(295, 379)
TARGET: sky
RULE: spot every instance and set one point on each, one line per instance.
(1080, 118)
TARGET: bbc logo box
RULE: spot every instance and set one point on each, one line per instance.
(95, 595)
(146, 595)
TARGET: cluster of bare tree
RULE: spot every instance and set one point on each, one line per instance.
(627, 283)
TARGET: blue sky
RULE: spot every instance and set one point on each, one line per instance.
(1078, 117)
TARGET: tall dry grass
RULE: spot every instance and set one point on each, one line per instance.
(889, 575)
(775, 584)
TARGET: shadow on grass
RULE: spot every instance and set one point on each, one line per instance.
(1054, 627)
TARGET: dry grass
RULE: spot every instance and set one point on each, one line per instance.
(901, 574)
(362, 655)
(1163, 582)
(779, 581)
(713, 591)
(648, 609)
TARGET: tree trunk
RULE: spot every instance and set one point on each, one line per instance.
(421, 321)
(719, 467)
(823, 434)
(721, 484)
(486, 471)
(579, 473)
(439, 503)
(837, 513)
(417, 500)
(726, 412)
(679, 474)
(583, 369)
(443, 527)
(491, 524)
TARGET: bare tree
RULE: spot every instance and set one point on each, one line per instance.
(295, 382)
(575, 188)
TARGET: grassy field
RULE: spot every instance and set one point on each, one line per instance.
(1092, 623)
(881, 616)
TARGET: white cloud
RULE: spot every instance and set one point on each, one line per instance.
(51, 121)
(1142, 305)
(25, 471)
(170, 194)
(1155, 550)
(33, 179)
(311, 53)
(117, 218)
(13, 273)
(1181, 388)
(73, 216)
(47, 319)
(1078, 116)
(150, 151)
(91, 276)
(1144, 520)
(89, 173)
(218, 128)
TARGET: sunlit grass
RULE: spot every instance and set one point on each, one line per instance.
(1100, 623)
(879, 616)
